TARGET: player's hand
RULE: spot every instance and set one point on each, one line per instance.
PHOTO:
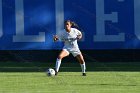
(79, 37)
(55, 37)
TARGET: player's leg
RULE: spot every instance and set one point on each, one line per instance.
(62, 54)
(82, 63)
(77, 53)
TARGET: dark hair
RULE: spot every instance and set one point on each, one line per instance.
(74, 25)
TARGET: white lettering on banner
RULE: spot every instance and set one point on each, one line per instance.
(20, 36)
(137, 17)
(59, 13)
(101, 17)
(1, 28)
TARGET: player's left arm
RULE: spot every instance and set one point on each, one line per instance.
(79, 35)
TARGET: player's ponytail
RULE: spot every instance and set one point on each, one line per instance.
(74, 25)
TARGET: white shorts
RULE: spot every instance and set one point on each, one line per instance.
(75, 52)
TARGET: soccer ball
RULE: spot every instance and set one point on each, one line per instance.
(50, 72)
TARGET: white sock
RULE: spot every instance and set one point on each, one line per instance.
(83, 67)
(58, 63)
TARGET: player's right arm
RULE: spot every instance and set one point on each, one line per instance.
(60, 36)
(55, 38)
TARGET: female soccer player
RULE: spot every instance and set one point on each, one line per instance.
(70, 37)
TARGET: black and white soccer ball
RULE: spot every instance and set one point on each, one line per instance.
(50, 72)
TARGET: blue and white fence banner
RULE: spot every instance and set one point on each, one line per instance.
(105, 24)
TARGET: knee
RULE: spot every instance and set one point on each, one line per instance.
(60, 57)
(82, 62)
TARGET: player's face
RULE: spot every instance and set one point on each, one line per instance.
(67, 25)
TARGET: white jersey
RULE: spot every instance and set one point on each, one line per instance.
(70, 38)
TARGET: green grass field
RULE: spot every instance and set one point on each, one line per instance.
(70, 82)
(102, 77)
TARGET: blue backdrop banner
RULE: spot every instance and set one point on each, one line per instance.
(105, 24)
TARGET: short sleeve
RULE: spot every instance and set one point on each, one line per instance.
(78, 32)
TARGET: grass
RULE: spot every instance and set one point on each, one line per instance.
(102, 77)
(68, 66)
(70, 82)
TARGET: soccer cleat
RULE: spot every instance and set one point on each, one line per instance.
(84, 74)
(56, 73)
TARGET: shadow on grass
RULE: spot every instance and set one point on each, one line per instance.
(68, 67)
(105, 85)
